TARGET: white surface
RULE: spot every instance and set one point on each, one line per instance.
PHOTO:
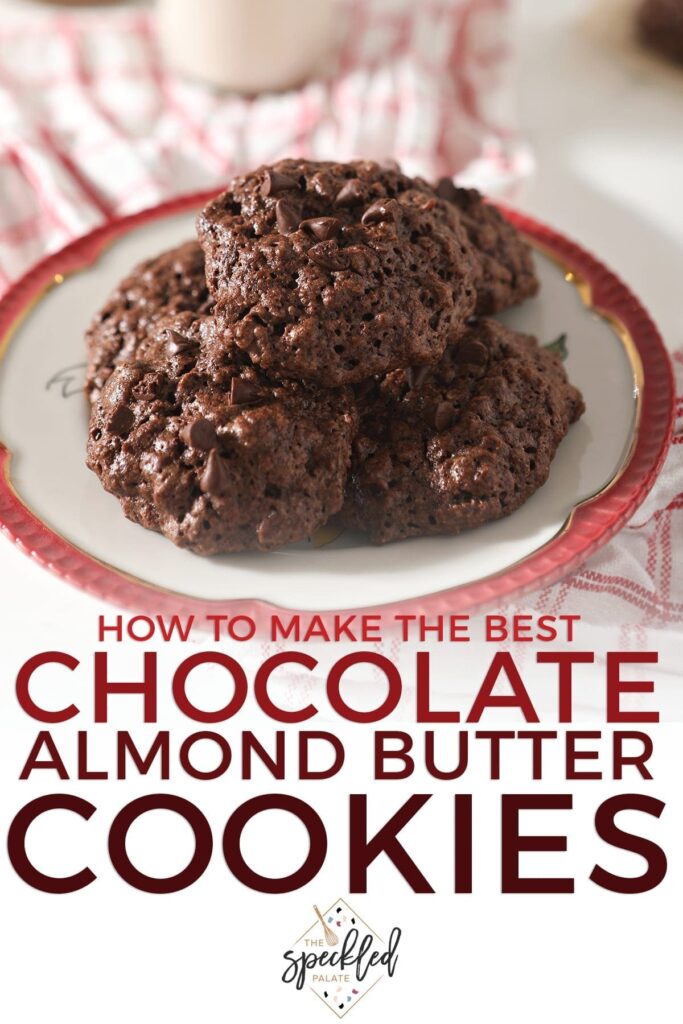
(49, 473)
(606, 126)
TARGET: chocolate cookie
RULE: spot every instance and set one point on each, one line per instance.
(331, 272)
(506, 274)
(660, 25)
(449, 447)
(201, 447)
(159, 287)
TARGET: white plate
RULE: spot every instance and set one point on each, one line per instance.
(43, 423)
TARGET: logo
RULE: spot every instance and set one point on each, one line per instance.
(340, 957)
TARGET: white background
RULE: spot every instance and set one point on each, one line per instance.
(606, 128)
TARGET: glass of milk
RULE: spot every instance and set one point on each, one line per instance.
(249, 46)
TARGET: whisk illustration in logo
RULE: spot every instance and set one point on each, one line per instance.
(340, 958)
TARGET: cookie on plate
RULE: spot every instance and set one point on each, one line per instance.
(453, 446)
(199, 446)
(170, 283)
(506, 274)
(332, 272)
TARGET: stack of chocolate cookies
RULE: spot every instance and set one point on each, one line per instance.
(325, 349)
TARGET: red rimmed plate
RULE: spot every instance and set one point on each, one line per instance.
(57, 512)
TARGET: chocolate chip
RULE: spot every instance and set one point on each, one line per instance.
(323, 228)
(199, 434)
(351, 193)
(122, 421)
(243, 392)
(244, 334)
(472, 321)
(216, 476)
(324, 185)
(444, 415)
(446, 189)
(287, 215)
(328, 256)
(472, 352)
(274, 184)
(417, 375)
(177, 343)
(381, 211)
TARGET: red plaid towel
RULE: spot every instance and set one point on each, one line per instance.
(92, 124)
(635, 583)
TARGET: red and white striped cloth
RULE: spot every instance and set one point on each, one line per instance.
(93, 125)
(635, 583)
